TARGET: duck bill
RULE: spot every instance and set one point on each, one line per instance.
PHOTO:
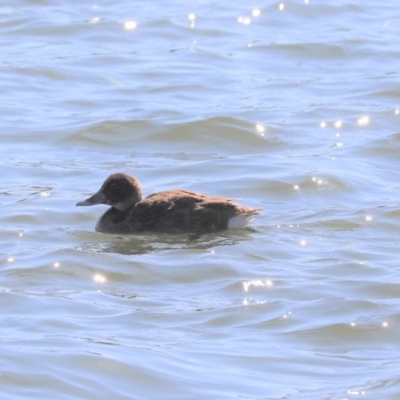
(97, 198)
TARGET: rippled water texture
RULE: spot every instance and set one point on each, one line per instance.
(293, 107)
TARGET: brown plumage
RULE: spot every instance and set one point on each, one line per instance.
(171, 211)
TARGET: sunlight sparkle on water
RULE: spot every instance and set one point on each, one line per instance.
(318, 181)
(256, 12)
(368, 218)
(98, 278)
(385, 324)
(260, 129)
(247, 302)
(322, 124)
(10, 259)
(256, 282)
(397, 111)
(194, 44)
(94, 20)
(56, 264)
(244, 20)
(281, 7)
(356, 392)
(338, 124)
(44, 194)
(192, 19)
(363, 121)
(303, 242)
(130, 25)
(296, 187)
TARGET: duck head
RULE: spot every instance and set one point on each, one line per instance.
(118, 190)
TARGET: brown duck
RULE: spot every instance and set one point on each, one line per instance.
(171, 211)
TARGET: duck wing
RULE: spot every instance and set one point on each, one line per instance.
(164, 211)
(176, 211)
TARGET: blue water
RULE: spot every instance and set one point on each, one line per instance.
(295, 110)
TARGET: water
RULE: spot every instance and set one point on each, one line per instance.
(295, 110)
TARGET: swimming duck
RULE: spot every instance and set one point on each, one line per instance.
(171, 211)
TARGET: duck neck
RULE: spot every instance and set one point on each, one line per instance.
(131, 202)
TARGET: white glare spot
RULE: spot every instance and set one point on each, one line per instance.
(319, 181)
(337, 135)
(281, 7)
(256, 12)
(194, 44)
(339, 144)
(94, 20)
(98, 278)
(303, 242)
(56, 264)
(368, 218)
(10, 259)
(314, 178)
(338, 124)
(356, 392)
(353, 324)
(44, 194)
(363, 121)
(322, 124)
(192, 18)
(385, 324)
(296, 187)
(256, 282)
(244, 20)
(306, 1)
(397, 111)
(20, 234)
(130, 25)
(260, 128)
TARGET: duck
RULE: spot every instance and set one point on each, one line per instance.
(170, 211)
